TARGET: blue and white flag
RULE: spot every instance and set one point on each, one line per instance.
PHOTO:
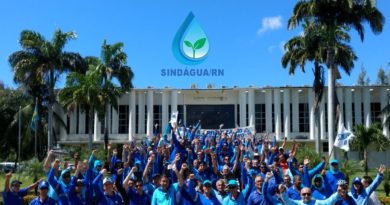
(343, 138)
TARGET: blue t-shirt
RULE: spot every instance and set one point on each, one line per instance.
(37, 201)
(166, 198)
(136, 199)
(14, 198)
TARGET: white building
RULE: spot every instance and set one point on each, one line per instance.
(283, 111)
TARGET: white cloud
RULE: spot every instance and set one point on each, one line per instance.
(270, 23)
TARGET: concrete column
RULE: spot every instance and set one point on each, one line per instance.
(141, 112)
(367, 106)
(149, 114)
(348, 109)
(384, 95)
(286, 109)
(310, 96)
(73, 122)
(277, 114)
(115, 120)
(340, 97)
(268, 110)
(132, 116)
(358, 106)
(295, 110)
(96, 128)
(173, 103)
(82, 125)
(251, 107)
(164, 109)
(322, 117)
(242, 101)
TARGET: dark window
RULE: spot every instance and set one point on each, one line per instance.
(260, 118)
(282, 117)
(123, 119)
(291, 121)
(67, 124)
(375, 112)
(211, 116)
(353, 115)
(273, 118)
(304, 117)
(238, 114)
(326, 117)
(157, 116)
(325, 147)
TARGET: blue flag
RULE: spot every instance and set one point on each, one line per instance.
(35, 118)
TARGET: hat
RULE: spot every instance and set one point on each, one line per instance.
(97, 163)
(156, 175)
(107, 180)
(118, 161)
(334, 161)
(207, 182)
(65, 172)
(15, 181)
(43, 185)
(232, 182)
(252, 172)
(281, 149)
(342, 182)
(356, 180)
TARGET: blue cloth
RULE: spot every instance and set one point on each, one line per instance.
(137, 199)
(60, 187)
(364, 196)
(14, 198)
(166, 198)
(37, 201)
(332, 177)
(229, 201)
(256, 198)
(268, 197)
(208, 201)
(102, 197)
(294, 193)
(348, 201)
(331, 200)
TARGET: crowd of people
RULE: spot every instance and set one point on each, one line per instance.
(180, 167)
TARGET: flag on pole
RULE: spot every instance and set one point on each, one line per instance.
(35, 117)
(343, 138)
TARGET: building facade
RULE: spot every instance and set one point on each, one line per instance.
(282, 111)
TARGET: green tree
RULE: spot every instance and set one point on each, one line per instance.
(363, 79)
(365, 136)
(382, 78)
(42, 62)
(116, 78)
(333, 15)
(84, 91)
(311, 47)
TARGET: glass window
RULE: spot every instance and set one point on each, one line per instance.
(375, 112)
(123, 119)
(211, 116)
(304, 117)
(260, 118)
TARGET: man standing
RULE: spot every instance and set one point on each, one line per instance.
(43, 198)
(12, 195)
(257, 197)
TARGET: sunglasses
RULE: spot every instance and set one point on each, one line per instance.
(138, 185)
(232, 187)
(306, 194)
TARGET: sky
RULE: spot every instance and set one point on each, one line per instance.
(245, 38)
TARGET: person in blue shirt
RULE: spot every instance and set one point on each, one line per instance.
(166, 193)
(333, 175)
(360, 194)
(107, 195)
(208, 197)
(62, 185)
(12, 195)
(137, 196)
(318, 188)
(257, 197)
(236, 197)
(342, 189)
(43, 198)
(306, 198)
(220, 191)
(294, 192)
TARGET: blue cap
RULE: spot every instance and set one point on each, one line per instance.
(334, 161)
(65, 171)
(252, 172)
(15, 181)
(207, 182)
(137, 162)
(97, 163)
(43, 185)
(356, 180)
(232, 182)
(118, 161)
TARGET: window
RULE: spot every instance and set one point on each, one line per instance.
(375, 112)
(304, 117)
(273, 118)
(211, 116)
(260, 118)
(353, 115)
(123, 119)
(157, 117)
(282, 117)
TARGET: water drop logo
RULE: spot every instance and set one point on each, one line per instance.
(190, 45)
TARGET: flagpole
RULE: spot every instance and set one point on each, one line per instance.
(20, 128)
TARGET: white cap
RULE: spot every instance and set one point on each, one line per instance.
(107, 180)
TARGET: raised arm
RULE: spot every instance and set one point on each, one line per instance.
(46, 164)
(126, 181)
(6, 183)
(54, 167)
(145, 174)
(377, 181)
(236, 160)
(178, 173)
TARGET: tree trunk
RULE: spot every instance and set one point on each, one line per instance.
(318, 137)
(331, 88)
(106, 119)
(365, 162)
(50, 111)
(90, 125)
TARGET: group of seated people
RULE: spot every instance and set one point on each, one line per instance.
(180, 167)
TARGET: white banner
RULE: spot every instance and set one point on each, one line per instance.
(343, 138)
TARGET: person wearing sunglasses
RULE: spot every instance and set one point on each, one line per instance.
(306, 198)
(43, 198)
(236, 197)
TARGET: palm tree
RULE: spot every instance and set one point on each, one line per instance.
(42, 62)
(364, 136)
(332, 15)
(113, 69)
(84, 91)
(311, 47)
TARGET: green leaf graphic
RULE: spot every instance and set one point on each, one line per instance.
(199, 43)
(189, 44)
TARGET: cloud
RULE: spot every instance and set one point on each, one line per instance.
(270, 23)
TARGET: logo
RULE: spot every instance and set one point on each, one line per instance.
(190, 45)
